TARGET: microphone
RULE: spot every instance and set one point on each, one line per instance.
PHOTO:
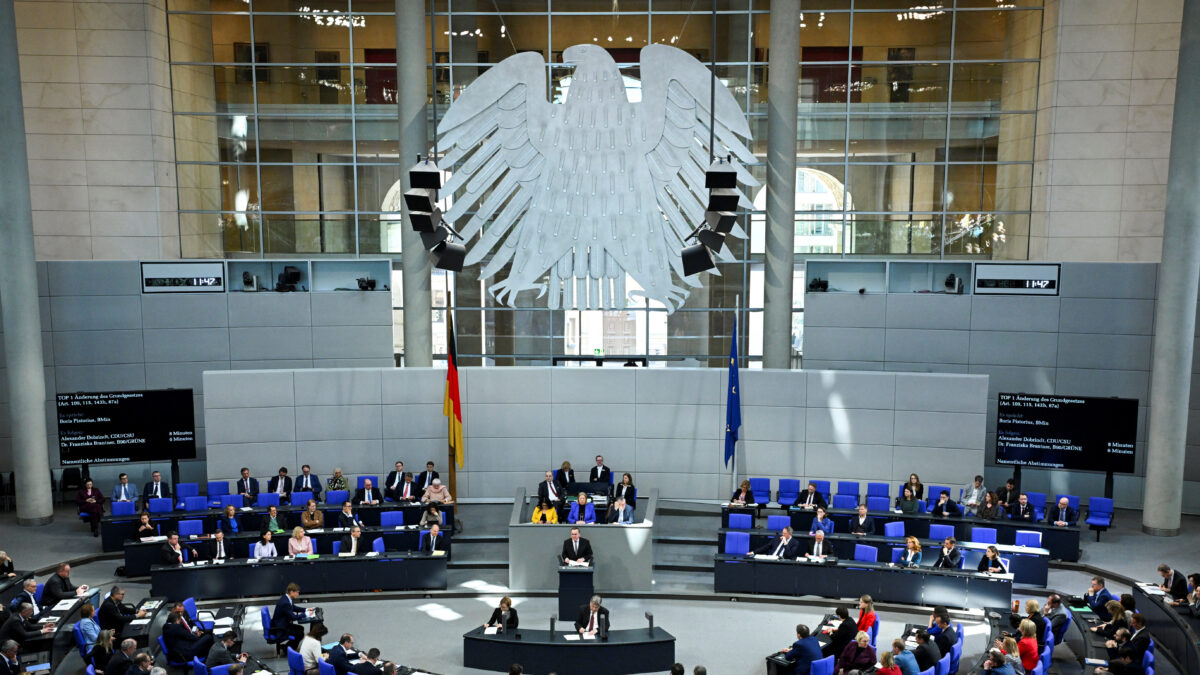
(650, 618)
(552, 617)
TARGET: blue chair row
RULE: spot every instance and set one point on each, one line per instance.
(790, 489)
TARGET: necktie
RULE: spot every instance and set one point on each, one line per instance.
(591, 622)
(279, 487)
(432, 543)
(817, 549)
(220, 549)
(406, 489)
(576, 548)
(810, 496)
(779, 549)
(553, 493)
(122, 493)
(156, 492)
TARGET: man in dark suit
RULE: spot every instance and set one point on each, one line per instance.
(305, 482)
(20, 627)
(369, 665)
(172, 552)
(576, 548)
(818, 548)
(434, 540)
(59, 587)
(347, 517)
(551, 491)
(341, 655)
(247, 487)
(367, 494)
(114, 614)
(426, 478)
(218, 548)
(157, 488)
(408, 493)
(391, 485)
(945, 506)
(28, 594)
(1022, 510)
(182, 644)
(1005, 496)
(287, 617)
(1173, 583)
(1061, 514)
(841, 637)
(592, 618)
(600, 473)
(281, 485)
(221, 654)
(1125, 655)
(861, 524)
(354, 544)
(811, 499)
(803, 651)
(947, 636)
(927, 652)
(122, 659)
(8, 658)
(949, 558)
(784, 546)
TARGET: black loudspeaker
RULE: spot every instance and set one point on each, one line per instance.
(426, 221)
(449, 256)
(425, 175)
(420, 199)
(696, 259)
(713, 240)
(720, 175)
(434, 237)
(723, 199)
(720, 221)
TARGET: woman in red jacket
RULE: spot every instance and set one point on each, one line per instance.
(866, 613)
(1027, 645)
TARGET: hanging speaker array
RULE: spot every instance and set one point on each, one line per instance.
(425, 216)
(721, 181)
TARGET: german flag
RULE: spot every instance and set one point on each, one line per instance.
(452, 403)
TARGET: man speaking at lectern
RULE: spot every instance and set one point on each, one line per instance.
(576, 548)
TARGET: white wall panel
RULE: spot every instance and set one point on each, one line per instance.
(508, 454)
(592, 385)
(770, 458)
(680, 421)
(333, 422)
(846, 389)
(499, 384)
(321, 386)
(415, 421)
(354, 457)
(588, 420)
(680, 386)
(786, 388)
(249, 425)
(849, 426)
(857, 461)
(945, 394)
(763, 423)
(506, 420)
(939, 429)
(263, 389)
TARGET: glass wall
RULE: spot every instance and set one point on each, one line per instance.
(916, 127)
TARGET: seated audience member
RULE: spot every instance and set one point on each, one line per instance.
(842, 635)
(949, 558)
(310, 648)
(408, 493)
(436, 492)
(626, 489)
(353, 544)
(368, 663)
(934, 627)
(1109, 628)
(908, 502)
(87, 623)
(947, 636)
(1022, 510)
(972, 496)
(858, 656)
(173, 553)
(337, 481)
(1012, 654)
(912, 552)
(393, 481)
(229, 521)
(124, 491)
(1054, 612)
(101, 652)
(905, 660)
(427, 476)
(341, 655)
(818, 548)
(991, 562)
(247, 487)
(866, 613)
(998, 664)
(1097, 596)
(368, 494)
(157, 488)
(347, 517)
(299, 543)
(927, 651)
(991, 509)
(1129, 605)
(271, 520)
(281, 484)
(1174, 584)
(743, 495)
(1007, 495)
(222, 653)
(1126, 651)
(862, 523)
(307, 482)
(821, 521)
(914, 483)
(582, 511)
(811, 498)
(784, 546)
(91, 502)
(1033, 614)
(545, 513)
(59, 587)
(945, 506)
(145, 528)
(218, 548)
(28, 594)
(182, 644)
(114, 615)
(264, 547)
(1193, 598)
(430, 516)
(504, 616)
(887, 665)
(565, 474)
(312, 518)
(576, 548)
(803, 651)
(551, 491)
(593, 618)
(1027, 646)
(435, 541)
(621, 513)
(122, 660)
(1061, 514)
(20, 626)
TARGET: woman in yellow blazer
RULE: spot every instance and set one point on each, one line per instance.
(544, 513)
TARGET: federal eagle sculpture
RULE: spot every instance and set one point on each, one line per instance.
(593, 188)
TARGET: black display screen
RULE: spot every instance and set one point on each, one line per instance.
(1055, 431)
(126, 426)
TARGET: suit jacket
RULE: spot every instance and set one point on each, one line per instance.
(790, 550)
(314, 486)
(228, 526)
(841, 637)
(946, 639)
(211, 552)
(1003, 495)
(739, 497)
(346, 521)
(414, 493)
(217, 656)
(273, 485)
(817, 499)
(1177, 586)
(616, 516)
(588, 515)
(565, 477)
(1054, 514)
(802, 654)
(949, 561)
(285, 613)
(947, 509)
(629, 492)
(512, 622)
(167, 555)
(1133, 648)
(387, 485)
(365, 668)
(443, 542)
(826, 548)
(119, 664)
(866, 527)
(360, 495)
(585, 611)
(425, 479)
(1019, 512)
(19, 630)
(57, 588)
(339, 658)
(247, 485)
(25, 596)
(7, 668)
(364, 546)
(986, 564)
(148, 491)
(927, 655)
(265, 521)
(131, 493)
(585, 550)
(181, 644)
(112, 616)
(560, 491)
(904, 560)
(599, 474)
(1095, 601)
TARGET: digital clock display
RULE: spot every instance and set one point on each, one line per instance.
(160, 282)
(183, 277)
(1017, 278)
(1047, 284)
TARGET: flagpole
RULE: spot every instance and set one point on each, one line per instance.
(737, 302)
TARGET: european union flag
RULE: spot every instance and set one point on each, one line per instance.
(733, 401)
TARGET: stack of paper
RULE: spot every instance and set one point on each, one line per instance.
(63, 605)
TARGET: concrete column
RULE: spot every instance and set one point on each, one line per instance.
(783, 96)
(1175, 314)
(412, 54)
(19, 311)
